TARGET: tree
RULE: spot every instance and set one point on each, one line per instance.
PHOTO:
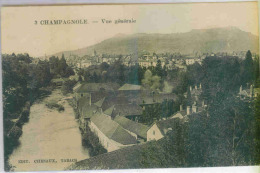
(247, 70)
(151, 82)
(232, 129)
(256, 68)
(158, 69)
(67, 87)
(257, 130)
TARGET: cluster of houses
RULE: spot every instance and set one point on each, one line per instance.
(177, 61)
(174, 62)
(113, 112)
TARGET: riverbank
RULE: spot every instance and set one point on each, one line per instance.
(14, 124)
(89, 139)
(49, 134)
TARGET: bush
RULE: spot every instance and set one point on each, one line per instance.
(91, 141)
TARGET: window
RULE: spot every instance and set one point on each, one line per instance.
(153, 132)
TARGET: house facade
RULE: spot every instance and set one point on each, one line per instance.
(154, 133)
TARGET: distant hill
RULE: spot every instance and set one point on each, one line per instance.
(227, 39)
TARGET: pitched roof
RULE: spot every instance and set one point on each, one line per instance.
(76, 86)
(88, 111)
(83, 101)
(113, 100)
(93, 87)
(100, 102)
(130, 87)
(109, 111)
(98, 95)
(166, 125)
(132, 126)
(85, 109)
(127, 157)
(112, 129)
(179, 114)
(158, 98)
(126, 110)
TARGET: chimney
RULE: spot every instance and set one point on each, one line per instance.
(188, 110)
(190, 88)
(181, 108)
(200, 86)
(240, 90)
(90, 99)
(196, 87)
(194, 109)
(251, 90)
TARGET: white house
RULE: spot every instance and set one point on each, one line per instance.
(160, 128)
(154, 133)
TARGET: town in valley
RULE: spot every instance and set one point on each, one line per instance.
(143, 109)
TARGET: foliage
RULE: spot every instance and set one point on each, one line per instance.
(91, 141)
(59, 67)
(151, 82)
(224, 138)
(257, 130)
(22, 83)
(227, 133)
(67, 86)
(158, 111)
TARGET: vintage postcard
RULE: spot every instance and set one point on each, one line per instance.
(130, 86)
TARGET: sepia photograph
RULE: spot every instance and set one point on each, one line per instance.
(130, 86)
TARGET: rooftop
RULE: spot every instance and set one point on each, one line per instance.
(94, 87)
(128, 157)
(130, 87)
(166, 125)
(113, 100)
(132, 126)
(112, 129)
(88, 111)
(125, 110)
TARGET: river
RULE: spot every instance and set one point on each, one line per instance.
(49, 134)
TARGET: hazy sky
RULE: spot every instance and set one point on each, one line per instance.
(21, 35)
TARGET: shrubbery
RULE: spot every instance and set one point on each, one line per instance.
(91, 141)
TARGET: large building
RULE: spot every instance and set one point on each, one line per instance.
(86, 89)
(111, 135)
